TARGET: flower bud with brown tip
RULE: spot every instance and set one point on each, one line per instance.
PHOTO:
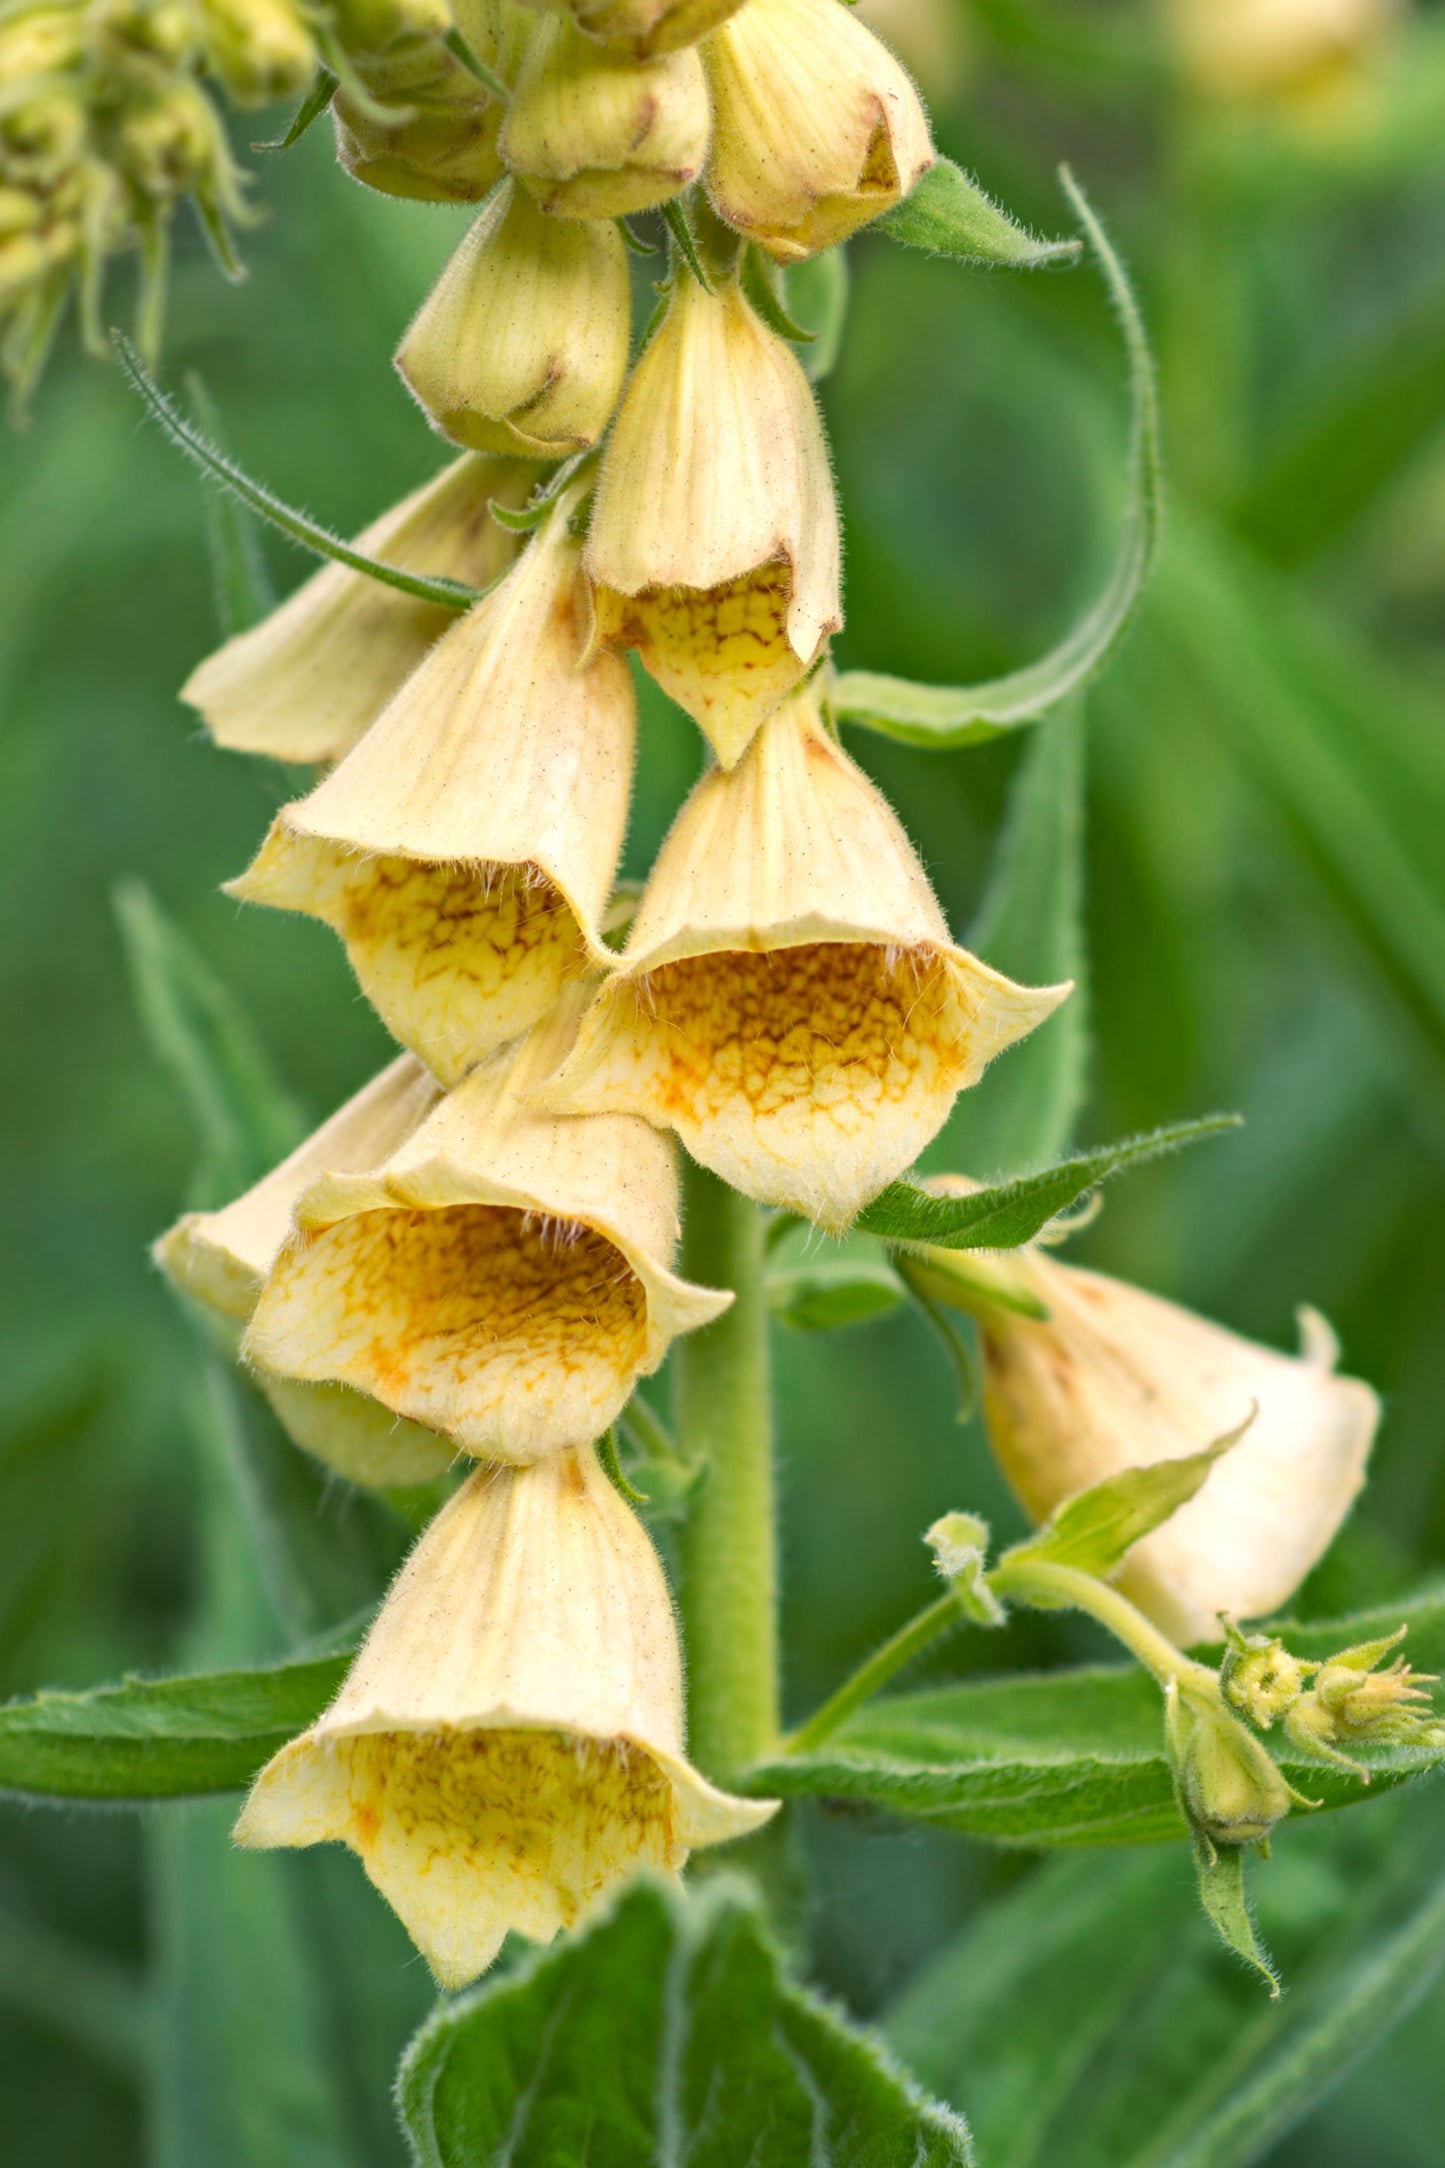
(594, 134)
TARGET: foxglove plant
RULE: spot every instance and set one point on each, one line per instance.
(472, 1263)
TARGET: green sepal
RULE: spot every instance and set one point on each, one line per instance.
(1096, 1529)
(759, 283)
(946, 716)
(674, 217)
(633, 241)
(948, 214)
(612, 1469)
(447, 594)
(324, 86)
(1008, 1214)
(816, 291)
(1220, 1870)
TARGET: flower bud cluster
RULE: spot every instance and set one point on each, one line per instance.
(1324, 1708)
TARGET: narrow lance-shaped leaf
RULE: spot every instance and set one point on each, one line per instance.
(448, 594)
(948, 214)
(1007, 1214)
(943, 716)
(1094, 1531)
(669, 2032)
(1226, 1905)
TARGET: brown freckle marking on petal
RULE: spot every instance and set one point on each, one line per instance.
(723, 653)
(477, 1314)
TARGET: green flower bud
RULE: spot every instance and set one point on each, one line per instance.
(261, 49)
(1227, 1785)
(1260, 1677)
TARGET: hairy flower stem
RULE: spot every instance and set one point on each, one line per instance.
(1049, 1587)
(728, 1545)
(898, 1650)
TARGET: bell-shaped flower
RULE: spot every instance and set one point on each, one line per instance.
(789, 999)
(714, 546)
(594, 134)
(817, 128)
(521, 346)
(1115, 1378)
(309, 679)
(416, 122)
(508, 1746)
(220, 1261)
(465, 848)
(505, 1276)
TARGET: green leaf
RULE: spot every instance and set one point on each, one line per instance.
(762, 284)
(1072, 1756)
(447, 594)
(323, 89)
(1226, 1907)
(243, 590)
(1088, 2017)
(1008, 1214)
(944, 716)
(667, 2032)
(816, 291)
(824, 1294)
(243, 1119)
(161, 1738)
(1031, 925)
(948, 214)
(1095, 1530)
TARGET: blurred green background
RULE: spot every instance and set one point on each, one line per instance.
(1265, 903)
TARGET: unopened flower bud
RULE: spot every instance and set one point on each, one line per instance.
(465, 849)
(305, 683)
(504, 1276)
(521, 346)
(429, 129)
(261, 49)
(1228, 1787)
(714, 547)
(174, 144)
(40, 42)
(1261, 1677)
(508, 1746)
(1353, 1703)
(817, 128)
(595, 134)
(370, 26)
(789, 999)
(644, 28)
(1114, 1378)
(220, 1260)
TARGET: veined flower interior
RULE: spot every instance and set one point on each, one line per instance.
(512, 1331)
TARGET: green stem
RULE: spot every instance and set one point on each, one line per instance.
(728, 1545)
(898, 1650)
(1052, 1588)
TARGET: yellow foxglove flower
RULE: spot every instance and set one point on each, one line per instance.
(1300, 53)
(508, 1745)
(521, 346)
(595, 134)
(221, 1259)
(789, 1000)
(504, 1276)
(817, 127)
(306, 682)
(429, 128)
(714, 543)
(1117, 1378)
(644, 28)
(466, 847)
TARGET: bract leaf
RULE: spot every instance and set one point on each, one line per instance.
(666, 2032)
(944, 716)
(948, 214)
(1095, 1530)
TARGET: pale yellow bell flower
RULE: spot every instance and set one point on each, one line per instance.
(817, 128)
(306, 682)
(594, 134)
(1300, 54)
(521, 346)
(789, 999)
(1116, 1378)
(714, 546)
(428, 127)
(465, 849)
(508, 1746)
(221, 1259)
(505, 1276)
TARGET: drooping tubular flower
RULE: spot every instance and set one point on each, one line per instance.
(592, 133)
(426, 128)
(504, 1276)
(1115, 1378)
(713, 547)
(817, 129)
(789, 999)
(306, 682)
(508, 1745)
(1300, 53)
(521, 346)
(465, 849)
(221, 1259)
